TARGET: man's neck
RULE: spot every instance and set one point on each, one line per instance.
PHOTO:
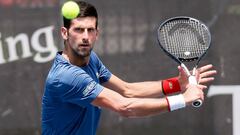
(73, 59)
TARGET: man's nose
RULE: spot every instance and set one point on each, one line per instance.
(85, 36)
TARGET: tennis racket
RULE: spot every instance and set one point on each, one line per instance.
(185, 40)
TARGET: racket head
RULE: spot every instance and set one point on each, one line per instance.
(184, 38)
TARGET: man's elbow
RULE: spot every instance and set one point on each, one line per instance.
(126, 111)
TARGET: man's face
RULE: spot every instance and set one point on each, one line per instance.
(82, 35)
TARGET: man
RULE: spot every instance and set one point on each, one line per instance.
(78, 84)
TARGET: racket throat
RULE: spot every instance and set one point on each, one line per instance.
(185, 70)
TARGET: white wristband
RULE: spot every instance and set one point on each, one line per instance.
(176, 102)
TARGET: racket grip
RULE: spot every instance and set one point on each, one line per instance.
(198, 102)
(192, 80)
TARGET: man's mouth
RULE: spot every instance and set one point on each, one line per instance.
(84, 45)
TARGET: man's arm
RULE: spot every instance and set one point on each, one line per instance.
(153, 89)
(138, 89)
(140, 107)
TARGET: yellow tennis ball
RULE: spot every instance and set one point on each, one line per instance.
(70, 10)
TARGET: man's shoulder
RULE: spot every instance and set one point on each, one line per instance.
(94, 58)
(63, 72)
(93, 55)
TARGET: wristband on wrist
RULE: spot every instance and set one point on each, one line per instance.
(175, 102)
(170, 86)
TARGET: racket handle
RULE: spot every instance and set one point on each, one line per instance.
(192, 80)
(198, 102)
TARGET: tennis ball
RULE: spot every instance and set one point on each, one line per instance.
(70, 10)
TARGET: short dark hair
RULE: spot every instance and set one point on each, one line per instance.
(86, 10)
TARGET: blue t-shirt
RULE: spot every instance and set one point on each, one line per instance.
(69, 91)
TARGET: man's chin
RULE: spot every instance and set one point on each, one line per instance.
(84, 53)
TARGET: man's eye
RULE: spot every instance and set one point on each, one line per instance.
(91, 30)
(79, 29)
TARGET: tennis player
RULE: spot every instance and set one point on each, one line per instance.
(79, 85)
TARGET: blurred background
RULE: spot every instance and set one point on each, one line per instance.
(30, 38)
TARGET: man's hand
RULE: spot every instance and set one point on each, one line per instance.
(204, 75)
(193, 93)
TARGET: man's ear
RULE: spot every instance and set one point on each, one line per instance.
(64, 33)
(97, 33)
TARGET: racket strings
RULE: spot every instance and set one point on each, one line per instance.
(184, 38)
